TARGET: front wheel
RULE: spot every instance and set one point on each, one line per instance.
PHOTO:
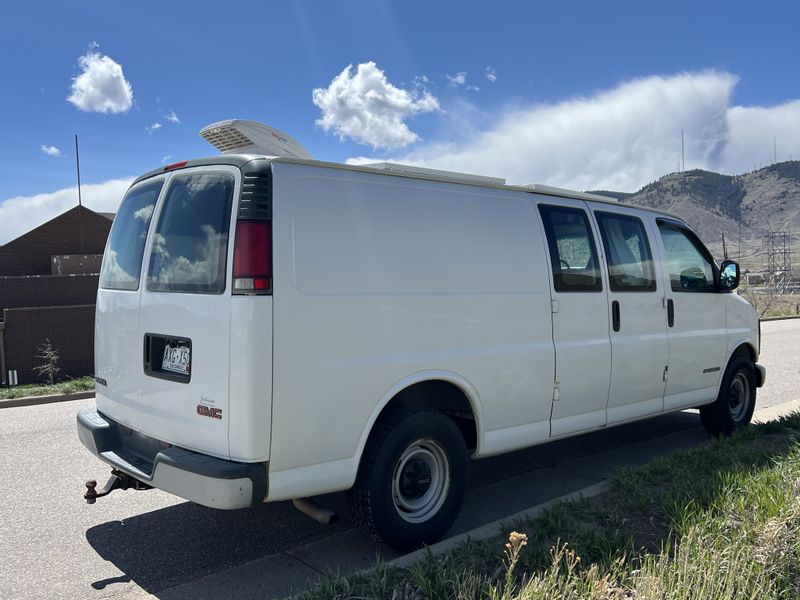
(412, 479)
(733, 408)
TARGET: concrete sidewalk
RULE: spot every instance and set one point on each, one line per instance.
(485, 510)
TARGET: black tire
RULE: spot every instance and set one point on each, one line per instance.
(402, 446)
(733, 408)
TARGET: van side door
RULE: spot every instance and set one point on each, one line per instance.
(580, 319)
(639, 346)
(695, 318)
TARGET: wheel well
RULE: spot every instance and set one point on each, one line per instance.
(745, 350)
(444, 397)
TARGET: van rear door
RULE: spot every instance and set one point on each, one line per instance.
(116, 352)
(184, 312)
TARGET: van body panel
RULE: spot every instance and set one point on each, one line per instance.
(116, 324)
(741, 323)
(250, 367)
(354, 314)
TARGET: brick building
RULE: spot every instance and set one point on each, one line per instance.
(48, 288)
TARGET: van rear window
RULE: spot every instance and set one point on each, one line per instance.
(190, 245)
(123, 257)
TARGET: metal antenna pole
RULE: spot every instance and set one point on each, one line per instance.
(78, 165)
(683, 156)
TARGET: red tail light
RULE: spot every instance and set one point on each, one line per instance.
(252, 257)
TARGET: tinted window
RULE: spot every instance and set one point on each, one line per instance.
(690, 268)
(630, 263)
(122, 262)
(572, 250)
(191, 240)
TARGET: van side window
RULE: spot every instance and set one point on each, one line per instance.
(690, 268)
(572, 251)
(630, 263)
(122, 261)
(190, 246)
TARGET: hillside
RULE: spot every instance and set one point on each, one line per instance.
(714, 204)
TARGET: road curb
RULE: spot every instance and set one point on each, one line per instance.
(494, 528)
(33, 400)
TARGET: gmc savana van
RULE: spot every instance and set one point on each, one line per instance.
(273, 327)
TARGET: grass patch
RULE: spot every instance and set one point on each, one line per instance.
(67, 387)
(720, 521)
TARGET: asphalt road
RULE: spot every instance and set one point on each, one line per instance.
(53, 545)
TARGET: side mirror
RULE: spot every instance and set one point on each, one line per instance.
(728, 275)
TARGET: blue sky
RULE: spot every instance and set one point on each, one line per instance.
(585, 94)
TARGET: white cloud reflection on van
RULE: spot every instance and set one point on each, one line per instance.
(202, 269)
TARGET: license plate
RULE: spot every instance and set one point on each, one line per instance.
(177, 359)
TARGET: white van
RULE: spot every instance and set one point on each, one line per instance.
(273, 328)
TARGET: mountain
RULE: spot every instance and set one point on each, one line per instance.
(715, 204)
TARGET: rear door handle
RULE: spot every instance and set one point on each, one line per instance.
(615, 315)
(670, 312)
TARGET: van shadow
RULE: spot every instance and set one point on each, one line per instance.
(185, 542)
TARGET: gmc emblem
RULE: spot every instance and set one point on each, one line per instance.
(206, 411)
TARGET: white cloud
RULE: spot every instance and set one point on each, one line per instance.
(154, 127)
(623, 138)
(101, 86)
(491, 75)
(752, 131)
(50, 150)
(167, 157)
(457, 79)
(20, 214)
(365, 107)
(472, 88)
(172, 117)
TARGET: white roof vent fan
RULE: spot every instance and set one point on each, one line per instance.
(238, 136)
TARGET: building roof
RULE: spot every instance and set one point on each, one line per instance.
(76, 231)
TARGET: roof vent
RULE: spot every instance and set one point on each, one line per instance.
(237, 136)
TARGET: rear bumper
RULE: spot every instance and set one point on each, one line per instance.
(761, 375)
(203, 479)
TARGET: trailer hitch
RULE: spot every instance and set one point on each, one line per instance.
(117, 481)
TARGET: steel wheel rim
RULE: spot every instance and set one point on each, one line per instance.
(739, 396)
(414, 497)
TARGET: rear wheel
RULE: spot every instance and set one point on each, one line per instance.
(733, 408)
(412, 479)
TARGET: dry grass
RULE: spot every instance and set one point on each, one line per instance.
(721, 521)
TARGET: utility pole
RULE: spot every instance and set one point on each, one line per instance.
(683, 155)
(724, 248)
(774, 149)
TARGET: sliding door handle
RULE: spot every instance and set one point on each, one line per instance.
(670, 312)
(615, 315)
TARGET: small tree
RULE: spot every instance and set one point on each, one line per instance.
(49, 356)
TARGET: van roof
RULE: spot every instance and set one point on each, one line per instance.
(389, 169)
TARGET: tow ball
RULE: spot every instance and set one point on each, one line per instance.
(117, 481)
